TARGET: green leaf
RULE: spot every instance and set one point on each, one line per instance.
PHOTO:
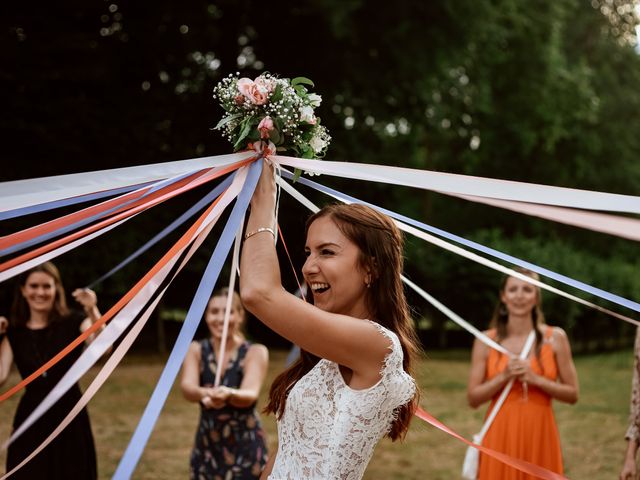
(277, 95)
(247, 124)
(296, 174)
(275, 137)
(254, 135)
(301, 80)
(226, 120)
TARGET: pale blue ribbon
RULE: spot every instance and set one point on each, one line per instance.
(206, 200)
(85, 221)
(612, 297)
(141, 435)
(65, 202)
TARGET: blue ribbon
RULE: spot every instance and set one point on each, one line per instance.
(612, 297)
(65, 202)
(206, 200)
(141, 436)
(80, 223)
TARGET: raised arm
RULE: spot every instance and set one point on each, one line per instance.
(6, 354)
(348, 341)
(89, 301)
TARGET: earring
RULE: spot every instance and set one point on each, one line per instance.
(502, 310)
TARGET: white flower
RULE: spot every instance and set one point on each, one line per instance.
(314, 99)
(317, 143)
(306, 115)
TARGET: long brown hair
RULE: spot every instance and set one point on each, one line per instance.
(500, 315)
(381, 250)
(20, 312)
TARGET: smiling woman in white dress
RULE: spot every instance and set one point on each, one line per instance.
(352, 385)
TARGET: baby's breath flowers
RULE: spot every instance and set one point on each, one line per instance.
(271, 114)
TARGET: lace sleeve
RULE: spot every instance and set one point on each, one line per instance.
(633, 432)
(400, 386)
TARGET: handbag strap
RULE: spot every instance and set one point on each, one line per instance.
(523, 354)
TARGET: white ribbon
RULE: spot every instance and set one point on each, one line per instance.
(16, 270)
(25, 193)
(227, 309)
(468, 185)
(623, 227)
(123, 319)
(471, 256)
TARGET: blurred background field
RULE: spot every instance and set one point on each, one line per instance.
(591, 431)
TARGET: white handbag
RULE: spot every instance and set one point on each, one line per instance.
(472, 456)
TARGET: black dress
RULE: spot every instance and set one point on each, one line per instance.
(72, 454)
(230, 442)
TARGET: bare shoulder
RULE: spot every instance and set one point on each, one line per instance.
(379, 337)
(195, 349)
(558, 334)
(258, 351)
(479, 346)
(559, 340)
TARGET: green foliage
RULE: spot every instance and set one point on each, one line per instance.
(533, 90)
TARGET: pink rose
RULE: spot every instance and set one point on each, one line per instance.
(256, 92)
(258, 95)
(265, 126)
(244, 85)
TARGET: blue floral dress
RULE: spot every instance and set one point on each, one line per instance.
(230, 443)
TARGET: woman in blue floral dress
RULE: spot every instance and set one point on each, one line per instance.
(230, 443)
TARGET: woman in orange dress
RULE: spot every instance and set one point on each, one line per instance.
(525, 426)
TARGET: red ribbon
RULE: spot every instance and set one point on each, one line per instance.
(516, 463)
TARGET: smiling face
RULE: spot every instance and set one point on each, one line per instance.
(519, 297)
(39, 291)
(333, 270)
(214, 316)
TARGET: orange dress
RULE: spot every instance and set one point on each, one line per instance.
(525, 426)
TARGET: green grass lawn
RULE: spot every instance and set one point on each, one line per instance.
(592, 430)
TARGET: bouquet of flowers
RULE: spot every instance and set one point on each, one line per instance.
(271, 114)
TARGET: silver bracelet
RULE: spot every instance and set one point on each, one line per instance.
(260, 230)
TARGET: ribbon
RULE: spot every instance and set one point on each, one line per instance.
(451, 183)
(167, 230)
(36, 191)
(228, 305)
(518, 464)
(152, 411)
(43, 207)
(623, 227)
(449, 313)
(114, 359)
(46, 231)
(107, 316)
(495, 253)
(19, 264)
(123, 319)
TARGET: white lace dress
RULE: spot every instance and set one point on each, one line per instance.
(328, 430)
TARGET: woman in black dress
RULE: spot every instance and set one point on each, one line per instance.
(230, 443)
(40, 326)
